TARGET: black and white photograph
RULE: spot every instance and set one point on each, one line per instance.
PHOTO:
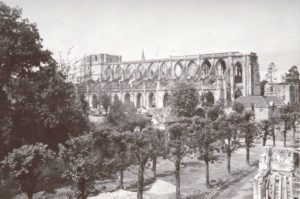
(149, 99)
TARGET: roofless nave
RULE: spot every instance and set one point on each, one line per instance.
(148, 83)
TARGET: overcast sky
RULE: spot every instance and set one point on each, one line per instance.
(271, 28)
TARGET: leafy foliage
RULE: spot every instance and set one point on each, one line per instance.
(205, 139)
(238, 107)
(77, 154)
(184, 100)
(145, 144)
(26, 165)
(106, 102)
(125, 117)
(178, 142)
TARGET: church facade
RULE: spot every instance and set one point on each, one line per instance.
(149, 83)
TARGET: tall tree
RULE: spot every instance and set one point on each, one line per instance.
(39, 105)
(206, 138)
(178, 143)
(249, 131)
(227, 126)
(144, 145)
(285, 116)
(26, 165)
(184, 100)
(266, 128)
(271, 73)
(80, 163)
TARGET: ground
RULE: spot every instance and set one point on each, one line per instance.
(237, 184)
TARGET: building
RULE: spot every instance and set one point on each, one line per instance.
(287, 91)
(263, 107)
(149, 83)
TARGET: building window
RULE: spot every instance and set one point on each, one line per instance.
(261, 110)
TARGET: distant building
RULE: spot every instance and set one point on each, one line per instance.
(263, 107)
(288, 92)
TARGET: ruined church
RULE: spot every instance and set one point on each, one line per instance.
(148, 83)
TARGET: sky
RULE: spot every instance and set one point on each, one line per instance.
(270, 28)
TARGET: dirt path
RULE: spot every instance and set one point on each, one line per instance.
(238, 190)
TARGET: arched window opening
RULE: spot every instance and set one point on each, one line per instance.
(166, 100)
(139, 100)
(206, 68)
(94, 101)
(127, 98)
(221, 67)
(238, 73)
(116, 98)
(151, 100)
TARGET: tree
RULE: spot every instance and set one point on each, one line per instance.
(249, 130)
(238, 107)
(227, 126)
(178, 140)
(285, 116)
(270, 75)
(144, 145)
(125, 117)
(26, 165)
(106, 102)
(266, 125)
(120, 144)
(262, 87)
(206, 138)
(215, 111)
(38, 105)
(184, 100)
(207, 99)
(80, 163)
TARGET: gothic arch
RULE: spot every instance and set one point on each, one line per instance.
(151, 100)
(127, 98)
(221, 67)
(163, 69)
(116, 98)
(153, 70)
(178, 69)
(192, 69)
(139, 100)
(128, 71)
(238, 73)
(205, 67)
(166, 100)
(118, 72)
(94, 101)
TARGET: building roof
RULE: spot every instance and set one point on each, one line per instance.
(275, 99)
(258, 101)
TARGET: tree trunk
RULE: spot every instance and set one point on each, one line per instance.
(177, 176)
(264, 141)
(121, 178)
(82, 189)
(273, 136)
(248, 155)
(284, 137)
(140, 181)
(29, 195)
(154, 160)
(207, 173)
(228, 162)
